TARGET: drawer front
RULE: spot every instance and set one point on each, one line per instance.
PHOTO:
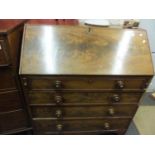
(63, 98)
(13, 121)
(79, 83)
(4, 58)
(83, 111)
(50, 125)
(9, 101)
(7, 80)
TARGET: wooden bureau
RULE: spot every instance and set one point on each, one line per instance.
(83, 80)
(13, 115)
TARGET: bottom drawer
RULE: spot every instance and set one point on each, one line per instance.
(13, 121)
(75, 125)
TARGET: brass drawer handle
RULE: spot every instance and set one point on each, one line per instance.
(58, 113)
(59, 127)
(58, 99)
(111, 111)
(106, 126)
(0, 47)
(116, 98)
(120, 84)
(58, 84)
(25, 84)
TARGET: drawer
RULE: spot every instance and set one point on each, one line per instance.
(83, 111)
(58, 83)
(9, 101)
(4, 58)
(78, 98)
(7, 80)
(13, 121)
(51, 125)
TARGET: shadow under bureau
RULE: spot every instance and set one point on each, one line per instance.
(83, 80)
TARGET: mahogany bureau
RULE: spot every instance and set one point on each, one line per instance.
(83, 80)
(13, 116)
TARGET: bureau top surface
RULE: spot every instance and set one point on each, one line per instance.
(81, 50)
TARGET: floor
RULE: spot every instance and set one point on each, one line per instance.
(144, 120)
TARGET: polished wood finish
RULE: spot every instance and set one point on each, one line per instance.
(67, 50)
(53, 125)
(76, 98)
(81, 80)
(83, 111)
(13, 114)
(85, 82)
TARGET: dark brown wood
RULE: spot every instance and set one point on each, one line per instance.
(67, 50)
(9, 25)
(10, 101)
(13, 115)
(85, 82)
(61, 112)
(75, 98)
(82, 80)
(48, 124)
(94, 132)
(7, 79)
(16, 119)
(4, 57)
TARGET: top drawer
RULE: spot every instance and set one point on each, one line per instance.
(87, 83)
(4, 58)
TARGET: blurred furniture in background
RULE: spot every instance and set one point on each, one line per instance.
(54, 21)
(13, 113)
